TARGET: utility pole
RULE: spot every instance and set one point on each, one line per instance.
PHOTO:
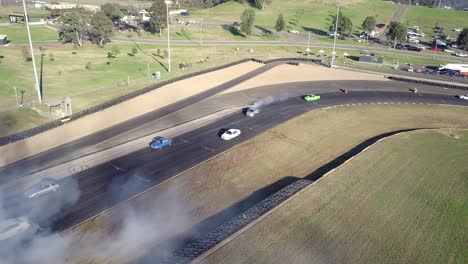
(334, 40)
(39, 95)
(168, 2)
(201, 37)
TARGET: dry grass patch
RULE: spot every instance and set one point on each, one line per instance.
(402, 201)
(301, 146)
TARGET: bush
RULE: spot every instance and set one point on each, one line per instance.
(134, 51)
(74, 53)
(88, 66)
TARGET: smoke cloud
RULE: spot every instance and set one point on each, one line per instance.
(270, 100)
(138, 228)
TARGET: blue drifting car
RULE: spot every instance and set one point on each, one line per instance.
(160, 142)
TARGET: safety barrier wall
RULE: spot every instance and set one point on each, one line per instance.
(427, 82)
(51, 125)
(199, 246)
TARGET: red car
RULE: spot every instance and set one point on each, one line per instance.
(435, 49)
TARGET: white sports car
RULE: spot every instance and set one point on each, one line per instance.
(465, 96)
(14, 226)
(44, 186)
(230, 134)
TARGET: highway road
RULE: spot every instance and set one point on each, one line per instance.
(100, 186)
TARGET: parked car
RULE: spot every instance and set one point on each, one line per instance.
(410, 69)
(311, 97)
(252, 111)
(160, 142)
(413, 48)
(461, 54)
(458, 30)
(230, 134)
(453, 45)
(435, 49)
(449, 51)
(463, 96)
(43, 187)
(400, 47)
(293, 31)
(420, 46)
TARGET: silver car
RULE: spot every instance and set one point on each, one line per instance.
(12, 227)
(251, 112)
(43, 187)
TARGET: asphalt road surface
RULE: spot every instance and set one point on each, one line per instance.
(101, 186)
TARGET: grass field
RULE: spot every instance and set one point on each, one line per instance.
(426, 18)
(217, 184)
(310, 15)
(19, 34)
(68, 76)
(402, 201)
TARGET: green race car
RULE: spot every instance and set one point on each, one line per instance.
(311, 97)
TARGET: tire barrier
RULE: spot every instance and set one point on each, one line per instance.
(199, 246)
(56, 123)
(427, 82)
(286, 60)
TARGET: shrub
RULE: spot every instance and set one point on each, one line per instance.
(134, 51)
(88, 66)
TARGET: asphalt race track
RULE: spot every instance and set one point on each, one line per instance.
(100, 185)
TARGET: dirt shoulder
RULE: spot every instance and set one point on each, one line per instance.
(302, 145)
(119, 113)
(399, 201)
(305, 72)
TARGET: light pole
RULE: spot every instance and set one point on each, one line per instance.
(334, 40)
(39, 96)
(168, 2)
(435, 49)
(201, 37)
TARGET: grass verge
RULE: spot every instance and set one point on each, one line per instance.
(404, 200)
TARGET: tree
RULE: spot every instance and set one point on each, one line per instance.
(369, 24)
(74, 25)
(247, 21)
(101, 28)
(279, 23)
(158, 19)
(112, 10)
(260, 4)
(396, 32)
(463, 38)
(134, 51)
(345, 25)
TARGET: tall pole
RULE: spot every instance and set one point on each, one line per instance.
(168, 32)
(39, 96)
(334, 40)
(308, 41)
(201, 37)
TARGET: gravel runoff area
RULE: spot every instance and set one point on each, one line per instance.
(304, 72)
(121, 112)
(404, 200)
(311, 140)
